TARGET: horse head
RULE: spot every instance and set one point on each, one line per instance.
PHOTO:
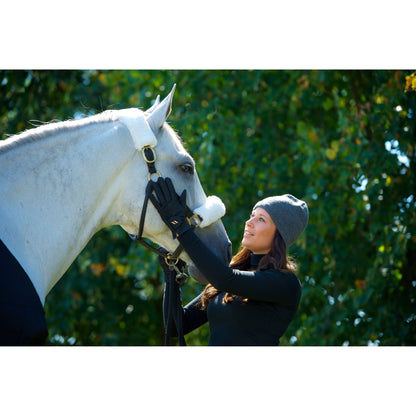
(150, 129)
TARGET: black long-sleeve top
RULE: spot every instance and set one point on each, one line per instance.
(273, 299)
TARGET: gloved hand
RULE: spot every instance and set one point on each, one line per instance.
(171, 207)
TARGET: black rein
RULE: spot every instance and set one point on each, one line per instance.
(174, 277)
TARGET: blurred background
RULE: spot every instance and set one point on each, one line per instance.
(344, 141)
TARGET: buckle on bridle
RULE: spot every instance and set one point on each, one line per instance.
(145, 157)
(149, 157)
(181, 277)
(171, 261)
(194, 221)
(149, 176)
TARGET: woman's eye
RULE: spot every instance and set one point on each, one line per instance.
(187, 168)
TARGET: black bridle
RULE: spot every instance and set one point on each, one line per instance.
(174, 277)
(171, 258)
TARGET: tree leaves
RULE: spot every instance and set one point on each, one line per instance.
(344, 141)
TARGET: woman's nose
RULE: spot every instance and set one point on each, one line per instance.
(248, 222)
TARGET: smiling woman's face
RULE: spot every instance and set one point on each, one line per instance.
(259, 232)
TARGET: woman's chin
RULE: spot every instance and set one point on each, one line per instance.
(245, 244)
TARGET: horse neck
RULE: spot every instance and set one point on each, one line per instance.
(56, 193)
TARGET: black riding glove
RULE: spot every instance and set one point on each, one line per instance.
(171, 207)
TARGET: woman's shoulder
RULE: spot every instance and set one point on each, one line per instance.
(283, 275)
(283, 287)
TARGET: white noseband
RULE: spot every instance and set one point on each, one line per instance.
(211, 211)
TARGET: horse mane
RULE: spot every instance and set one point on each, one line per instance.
(52, 128)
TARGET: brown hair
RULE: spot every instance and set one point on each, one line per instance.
(276, 258)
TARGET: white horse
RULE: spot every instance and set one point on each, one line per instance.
(62, 182)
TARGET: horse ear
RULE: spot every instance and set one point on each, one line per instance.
(155, 104)
(160, 113)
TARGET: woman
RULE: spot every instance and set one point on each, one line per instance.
(252, 301)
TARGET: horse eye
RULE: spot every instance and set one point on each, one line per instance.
(187, 168)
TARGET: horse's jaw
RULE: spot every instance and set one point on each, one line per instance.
(197, 275)
(216, 238)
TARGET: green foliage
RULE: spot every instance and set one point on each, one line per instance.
(344, 141)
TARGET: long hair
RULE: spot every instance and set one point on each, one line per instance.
(276, 258)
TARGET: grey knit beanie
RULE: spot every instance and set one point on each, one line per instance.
(289, 214)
